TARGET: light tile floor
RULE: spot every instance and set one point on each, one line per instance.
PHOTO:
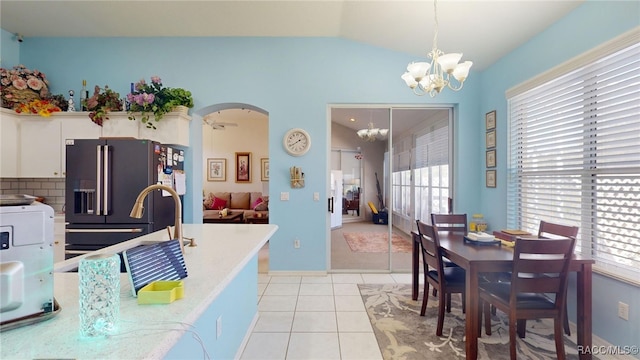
(315, 317)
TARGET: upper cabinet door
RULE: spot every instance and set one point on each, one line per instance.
(9, 141)
(40, 148)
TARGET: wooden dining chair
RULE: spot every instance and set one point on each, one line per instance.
(549, 230)
(448, 281)
(537, 289)
(450, 222)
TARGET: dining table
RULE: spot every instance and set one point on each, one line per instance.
(478, 258)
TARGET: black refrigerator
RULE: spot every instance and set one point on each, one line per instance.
(103, 180)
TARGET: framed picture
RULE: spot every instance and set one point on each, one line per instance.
(491, 158)
(490, 120)
(216, 169)
(243, 167)
(264, 169)
(491, 178)
(491, 139)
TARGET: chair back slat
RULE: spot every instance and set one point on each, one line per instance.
(450, 222)
(430, 245)
(553, 231)
(541, 266)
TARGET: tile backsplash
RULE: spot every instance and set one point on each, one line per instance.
(51, 189)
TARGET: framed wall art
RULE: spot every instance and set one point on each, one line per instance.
(490, 120)
(216, 169)
(243, 167)
(491, 178)
(491, 139)
(264, 169)
(491, 158)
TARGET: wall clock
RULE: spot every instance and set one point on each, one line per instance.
(297, 142)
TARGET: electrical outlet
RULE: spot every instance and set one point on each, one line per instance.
(623, 310)
(219, 326)
(296, 243)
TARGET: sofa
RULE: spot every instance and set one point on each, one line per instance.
(249, 203)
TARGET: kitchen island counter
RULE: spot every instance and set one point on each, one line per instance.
(221, 287)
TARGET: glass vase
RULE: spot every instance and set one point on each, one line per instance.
(99, 280)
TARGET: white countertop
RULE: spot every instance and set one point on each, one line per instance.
(145, 331)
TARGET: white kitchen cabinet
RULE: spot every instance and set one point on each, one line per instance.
(35, 146)
(9, 143)
(42, 141)
(40, 147)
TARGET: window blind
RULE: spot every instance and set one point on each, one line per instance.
(574, 158)
(432, 148)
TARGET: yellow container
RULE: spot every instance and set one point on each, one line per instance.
(477, 223)
(161, 292)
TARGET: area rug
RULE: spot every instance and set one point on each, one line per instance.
(376, 242)
(403, 334)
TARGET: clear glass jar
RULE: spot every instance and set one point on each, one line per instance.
(478, 223)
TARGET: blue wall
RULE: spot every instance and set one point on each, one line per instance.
(588, 26)
(295, 78)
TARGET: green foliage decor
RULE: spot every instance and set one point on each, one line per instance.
(153, 99)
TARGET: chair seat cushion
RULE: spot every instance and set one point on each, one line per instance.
(502, 291)
(452, 275)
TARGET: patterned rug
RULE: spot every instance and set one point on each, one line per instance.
(376, 242)
(403, 334)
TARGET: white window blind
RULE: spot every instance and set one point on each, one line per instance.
(574, 158)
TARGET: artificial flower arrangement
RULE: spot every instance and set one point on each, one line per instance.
(20, 85)
(43, 108)
(103, 101)
(153, 99)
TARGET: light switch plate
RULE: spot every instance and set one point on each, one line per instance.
(316, 196)
(284, 196)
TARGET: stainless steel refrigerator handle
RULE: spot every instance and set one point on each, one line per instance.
(106, 174)
(98, 183)
(125, 230)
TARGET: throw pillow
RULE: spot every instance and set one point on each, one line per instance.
(263, 206)
(256, 203)
(208, 202)
(218, 204)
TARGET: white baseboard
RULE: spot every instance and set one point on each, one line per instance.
(297, 273)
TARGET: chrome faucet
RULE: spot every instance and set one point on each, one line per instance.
(138, 208)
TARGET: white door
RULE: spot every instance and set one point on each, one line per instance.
(336, 198)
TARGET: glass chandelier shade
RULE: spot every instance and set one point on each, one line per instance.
(431, 77)
(372, 134)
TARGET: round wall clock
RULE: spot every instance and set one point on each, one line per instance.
(297, 142)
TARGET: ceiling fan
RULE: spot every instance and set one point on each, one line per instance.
(215, 125)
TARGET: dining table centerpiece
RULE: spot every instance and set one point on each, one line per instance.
(101, 103)
(151, 101)
(21, 86)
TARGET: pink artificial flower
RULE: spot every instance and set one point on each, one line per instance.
(19, 84)
(34, 83)
(156, 80)
(140, 84)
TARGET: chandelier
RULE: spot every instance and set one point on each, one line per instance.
(430, 78)
(372, 134)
